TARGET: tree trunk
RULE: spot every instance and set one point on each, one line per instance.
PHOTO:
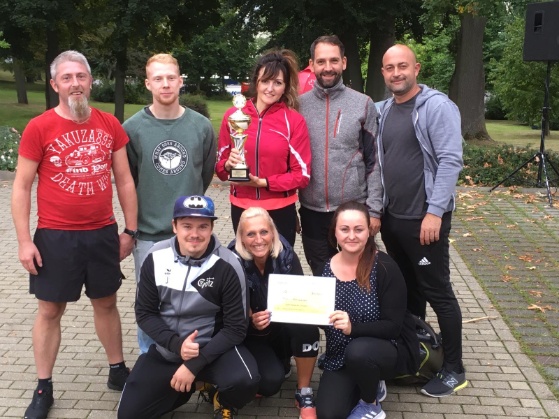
(352, 74)
(467, 85)
(21, 88)
(120, 75)
(380, 39)
(51, 97)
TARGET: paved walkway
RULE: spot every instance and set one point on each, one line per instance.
(503, 381)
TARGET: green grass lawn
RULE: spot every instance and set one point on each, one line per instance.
(17, 116)
(511, 132)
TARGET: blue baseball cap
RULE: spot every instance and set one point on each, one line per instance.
(194, 206)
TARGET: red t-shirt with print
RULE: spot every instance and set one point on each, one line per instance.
(74, 190)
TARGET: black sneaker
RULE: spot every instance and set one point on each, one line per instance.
(117, 378)
(445, 383)
(40, 405)
(320, 361)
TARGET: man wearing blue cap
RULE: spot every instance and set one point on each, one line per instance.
(192, 302)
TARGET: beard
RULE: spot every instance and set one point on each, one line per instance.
(402, 89)
(332, 83)
(79, 108)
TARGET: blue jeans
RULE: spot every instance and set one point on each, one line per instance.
(140, 252)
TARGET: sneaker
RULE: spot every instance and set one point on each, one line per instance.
(287, 367)
(445, 383)
(206, 392)
(221, 412)
(117, 378)
(40, 405)
(320, 361)
(381, 391)
(304, 400)
(367, 411)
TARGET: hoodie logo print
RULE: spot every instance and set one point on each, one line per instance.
(206, 282)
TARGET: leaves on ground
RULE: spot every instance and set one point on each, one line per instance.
(541, 309)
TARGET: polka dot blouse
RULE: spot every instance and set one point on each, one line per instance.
(361, 306)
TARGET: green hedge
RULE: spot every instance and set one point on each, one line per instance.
(134, 92)
(486, 166)
(196, 103)
(9, 144)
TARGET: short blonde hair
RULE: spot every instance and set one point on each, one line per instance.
(163, 59)
(254, 212)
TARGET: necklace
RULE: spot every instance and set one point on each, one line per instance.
(81, 122)
(85, 120)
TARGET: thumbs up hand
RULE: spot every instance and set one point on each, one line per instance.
(190, 349)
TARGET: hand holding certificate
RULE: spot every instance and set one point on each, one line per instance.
(301, 299)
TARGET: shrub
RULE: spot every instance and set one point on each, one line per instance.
(494, 108)
(487, 166)
(224, 95)
(103, 91)
(134, 92)
(196, 103)
(9, 144)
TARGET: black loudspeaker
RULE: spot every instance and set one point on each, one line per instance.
(541, 37)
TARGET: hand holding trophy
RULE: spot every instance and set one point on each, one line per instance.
(238, 122)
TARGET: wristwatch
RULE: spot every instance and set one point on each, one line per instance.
(133, 233)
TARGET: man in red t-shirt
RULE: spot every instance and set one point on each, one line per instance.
(72, 149)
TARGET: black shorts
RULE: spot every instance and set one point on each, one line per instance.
(72, 258)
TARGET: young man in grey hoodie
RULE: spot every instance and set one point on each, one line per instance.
(420, 155)
(342, 127)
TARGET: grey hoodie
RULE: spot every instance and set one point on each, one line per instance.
(436, 120)
(342, 127)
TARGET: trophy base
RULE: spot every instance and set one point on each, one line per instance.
(239, 174)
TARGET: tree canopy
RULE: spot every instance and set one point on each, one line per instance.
(468, 49)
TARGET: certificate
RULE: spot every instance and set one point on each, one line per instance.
(301, 299)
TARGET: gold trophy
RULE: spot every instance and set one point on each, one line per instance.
(239, 122)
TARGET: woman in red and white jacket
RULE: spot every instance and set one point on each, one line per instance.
(277, 149)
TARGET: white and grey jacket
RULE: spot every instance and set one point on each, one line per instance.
(178, 295)
(342, 127)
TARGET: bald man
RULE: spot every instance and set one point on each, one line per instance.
(420, 153)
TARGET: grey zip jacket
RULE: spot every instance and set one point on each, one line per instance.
(437, 124)
(342, 127)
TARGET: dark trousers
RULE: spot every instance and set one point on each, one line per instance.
(367, 360)
(317, 248)
(148, 392)
(426, 270)
(285, 220)
(271, 350)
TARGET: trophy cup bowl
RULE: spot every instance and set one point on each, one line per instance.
(238, 123)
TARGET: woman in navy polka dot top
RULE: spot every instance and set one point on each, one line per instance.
(372, 337)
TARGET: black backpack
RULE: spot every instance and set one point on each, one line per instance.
(431, 355)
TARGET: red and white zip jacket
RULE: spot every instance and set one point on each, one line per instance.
(277, 148)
